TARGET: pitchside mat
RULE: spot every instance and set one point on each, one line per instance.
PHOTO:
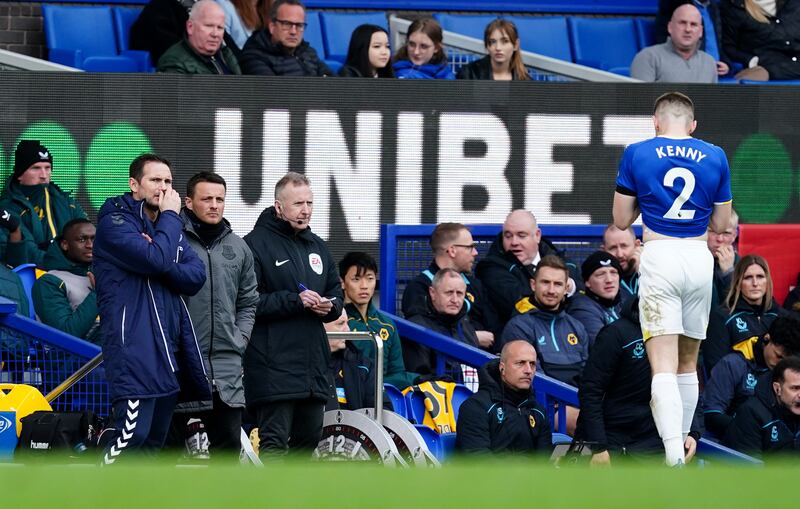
(484, 484)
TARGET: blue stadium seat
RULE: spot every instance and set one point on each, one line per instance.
(561, 438)
(460, 394)
(645, 32)
(603, 43)
(432, 440)
(546, 35)
(123, 19)
(465, 24)
(313, 35)
(83, 37)
(27, 274)
(338, 26)
(397, 399)
(415, 407)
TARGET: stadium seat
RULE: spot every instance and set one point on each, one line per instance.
(313, 35)
(83, 37)
(123, 19)
(561, 438)
(441, 446)
(338, 26)
(465, 24)
(603, 43)
(547, 36)
(460, 394)
(397, 399)
(645, 28)
(27, 274)
(415, 407)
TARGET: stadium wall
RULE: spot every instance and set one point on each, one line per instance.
(21, 28)
(391, 151)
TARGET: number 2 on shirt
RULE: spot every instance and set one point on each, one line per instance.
(675, 211)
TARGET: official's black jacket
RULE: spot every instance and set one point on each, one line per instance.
(481, 313)
(498, 419)
(762, 426)
(614, 392)
(505, 280)
(261, 56)
(419, 358)
(288, 353)
(727, 329)
(352, 379)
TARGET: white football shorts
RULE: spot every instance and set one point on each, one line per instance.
(675, 285)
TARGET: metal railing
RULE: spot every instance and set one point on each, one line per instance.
(550, 393)
(462, 49)
(10, 61)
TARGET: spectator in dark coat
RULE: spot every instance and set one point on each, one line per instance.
(504, 416)
(368, 55)
(599, 303)
(279, 50)
(446, 314)
(748, 311)
(723, 248)
(160, 25)
(202, 51)
(735, 376)
(508, 268)
(769, 423)
(627, 249)
(454, 248)
(504, 61)
(764, 37)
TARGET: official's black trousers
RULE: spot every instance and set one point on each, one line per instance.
(292, 425)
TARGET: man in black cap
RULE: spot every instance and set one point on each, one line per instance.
(33, 210)
(598, 304)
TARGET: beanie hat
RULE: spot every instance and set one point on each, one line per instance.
(598, 260)
(28, 153)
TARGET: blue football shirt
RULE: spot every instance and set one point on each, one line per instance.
(677, 183)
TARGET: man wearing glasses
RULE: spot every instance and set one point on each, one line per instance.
(453, 248)
(280, 49)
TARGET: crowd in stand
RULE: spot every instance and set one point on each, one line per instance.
(525, 301)
(697, 41)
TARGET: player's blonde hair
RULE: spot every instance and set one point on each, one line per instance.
(674, 105)
(735, 291)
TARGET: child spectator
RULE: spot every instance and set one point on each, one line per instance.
(504, 61)
(423, 57)
(368, 55)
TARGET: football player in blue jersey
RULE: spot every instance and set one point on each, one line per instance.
(681, 185)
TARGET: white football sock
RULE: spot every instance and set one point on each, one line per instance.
(689, 388)
(667, 409)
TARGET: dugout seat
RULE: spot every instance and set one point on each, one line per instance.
(27, 274)
(415, 403)
(604, 43)
(397, 399)
(83, 37)
(337, 27)
(124, 17)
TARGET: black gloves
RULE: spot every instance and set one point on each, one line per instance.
(8, 220)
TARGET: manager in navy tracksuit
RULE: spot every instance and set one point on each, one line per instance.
(142, 263)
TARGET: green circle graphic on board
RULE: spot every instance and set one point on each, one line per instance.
(109, 157)
(761, 178)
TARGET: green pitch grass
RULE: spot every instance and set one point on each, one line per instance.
(488, 485)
